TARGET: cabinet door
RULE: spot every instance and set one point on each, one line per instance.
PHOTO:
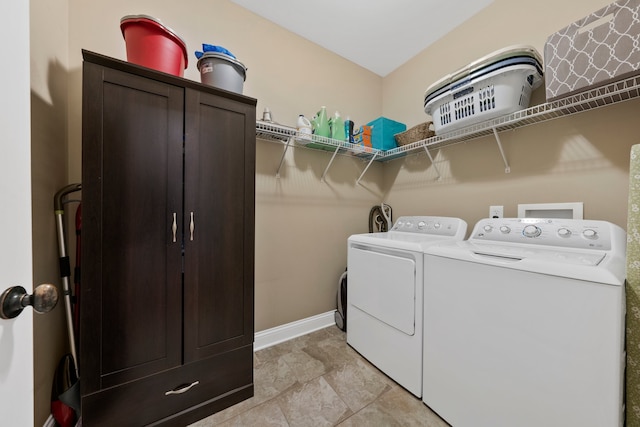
(219, 193)
(131, 306)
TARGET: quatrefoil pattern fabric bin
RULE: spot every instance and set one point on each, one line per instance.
(594, 51)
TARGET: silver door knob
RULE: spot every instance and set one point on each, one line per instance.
(15, 299)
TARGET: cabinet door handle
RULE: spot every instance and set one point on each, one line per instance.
(174, 227)
(191, 226)
(183, 388)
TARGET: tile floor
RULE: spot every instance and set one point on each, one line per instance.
(318, 380)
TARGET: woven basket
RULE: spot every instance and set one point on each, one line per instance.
(417, 133)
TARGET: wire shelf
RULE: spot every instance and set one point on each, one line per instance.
(285, 134)
(610, 94)
(274, 132)
(343, 147)
(589, 100)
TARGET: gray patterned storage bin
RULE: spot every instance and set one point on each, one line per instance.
(594, 51)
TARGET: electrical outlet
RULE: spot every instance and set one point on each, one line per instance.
(496, 211)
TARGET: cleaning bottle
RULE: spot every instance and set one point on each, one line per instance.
(304, 127)
(348, 130)
(337, 128)
(322, 123)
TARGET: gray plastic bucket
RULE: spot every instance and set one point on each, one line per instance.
(222, 71)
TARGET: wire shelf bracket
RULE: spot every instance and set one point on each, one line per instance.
(329, 165)
(507, 168)
(433, 164)
(284, 153)
(375, 154)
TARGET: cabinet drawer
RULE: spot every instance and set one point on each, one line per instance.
(145, 401)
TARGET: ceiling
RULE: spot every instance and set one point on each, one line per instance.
(379, 35)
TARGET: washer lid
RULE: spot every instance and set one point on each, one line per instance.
(414, 233)
(520, 252)
(399, 240)
(586, 265)
(589, 250)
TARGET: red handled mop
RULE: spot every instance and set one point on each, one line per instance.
(65, 393)
(65, 268)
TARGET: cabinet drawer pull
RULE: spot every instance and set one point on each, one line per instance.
(191, 226)
(183, 388)
(174, 227)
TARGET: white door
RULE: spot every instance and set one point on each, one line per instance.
(16, 335)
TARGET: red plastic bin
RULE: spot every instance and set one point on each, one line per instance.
(152, 44)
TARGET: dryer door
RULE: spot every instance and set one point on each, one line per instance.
(383, 285)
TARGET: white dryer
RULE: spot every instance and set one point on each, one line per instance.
(384, 294)
(524, 325)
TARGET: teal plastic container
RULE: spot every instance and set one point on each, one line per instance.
(382, 132)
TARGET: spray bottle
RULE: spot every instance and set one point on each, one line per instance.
(348, 130)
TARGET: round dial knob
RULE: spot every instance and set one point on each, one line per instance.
(531, 231)
(436, 225)
(421, 225)
(487, 228)
(408, 224)
(590, 234)
(505, 229)
(564, 232)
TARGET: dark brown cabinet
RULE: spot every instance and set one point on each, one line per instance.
(168, 178)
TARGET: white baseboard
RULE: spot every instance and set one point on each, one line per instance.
(282, 333)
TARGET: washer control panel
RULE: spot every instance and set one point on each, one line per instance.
(569, 233)
(442, 226)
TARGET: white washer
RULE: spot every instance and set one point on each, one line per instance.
(524, 325)
(384, 294)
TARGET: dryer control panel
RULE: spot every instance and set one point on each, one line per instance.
(441, 226)
(568, 233)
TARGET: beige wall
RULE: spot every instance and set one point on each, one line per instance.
(49, 55)
(584, 158)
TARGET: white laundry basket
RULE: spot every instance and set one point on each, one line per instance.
(495, 85)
